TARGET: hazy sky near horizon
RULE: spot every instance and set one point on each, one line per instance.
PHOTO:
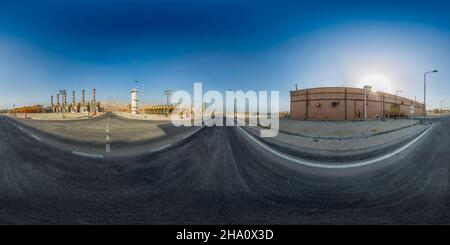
(249, 45)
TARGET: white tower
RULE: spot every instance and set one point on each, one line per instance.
(134, 101)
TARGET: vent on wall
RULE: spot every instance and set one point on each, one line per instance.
(334, 103)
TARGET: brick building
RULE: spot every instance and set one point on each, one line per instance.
(345, 103)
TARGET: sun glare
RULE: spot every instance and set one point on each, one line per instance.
(378, 82)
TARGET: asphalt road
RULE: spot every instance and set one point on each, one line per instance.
(219, 176)
(108, 135)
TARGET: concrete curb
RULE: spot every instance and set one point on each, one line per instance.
(349, 164)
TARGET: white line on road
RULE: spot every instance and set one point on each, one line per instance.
(195, 131)
(339, 166)
(160, 148)
(34, 136)
(87, 154)
(107, 137)
(107, 148)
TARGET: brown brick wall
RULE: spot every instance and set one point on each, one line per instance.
(340, 103)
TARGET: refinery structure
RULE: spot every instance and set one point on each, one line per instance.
(62, 105)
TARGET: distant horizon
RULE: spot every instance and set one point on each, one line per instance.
(128, 102)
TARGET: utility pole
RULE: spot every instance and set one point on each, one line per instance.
(442, 100)
(168, 92)
(382, 106)
(425, 93)
(234, 105)
(94, 103)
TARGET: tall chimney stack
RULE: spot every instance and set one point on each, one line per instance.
(73, 97)
(64, 97)
(82, 96)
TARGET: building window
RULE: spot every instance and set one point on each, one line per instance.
(334, 103)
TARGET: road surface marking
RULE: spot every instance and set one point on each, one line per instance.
(87, 154)
(107, 137)
(107, 148)
(34, 136)
(339, 166)
(195, 131)
(160, 148)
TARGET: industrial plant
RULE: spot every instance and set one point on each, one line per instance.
(133, 107)
(62, 105)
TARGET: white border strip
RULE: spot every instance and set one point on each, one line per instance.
(192, 133)
(87, 154)
(34, 136)
(332, 166)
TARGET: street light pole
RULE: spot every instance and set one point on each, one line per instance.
(425, 93)
(442, 100)
(234, 106)
(382, 106)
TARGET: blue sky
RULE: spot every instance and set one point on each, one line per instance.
(250, 45)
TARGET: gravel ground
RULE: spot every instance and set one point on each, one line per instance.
(341, 129)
